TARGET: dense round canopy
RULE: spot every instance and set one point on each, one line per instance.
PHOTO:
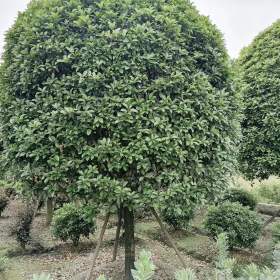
(122, 101)
(259, 68)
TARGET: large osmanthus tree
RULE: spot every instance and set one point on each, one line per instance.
(120, 102)
(259, 80)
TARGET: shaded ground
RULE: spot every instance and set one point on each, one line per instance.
(64, 262)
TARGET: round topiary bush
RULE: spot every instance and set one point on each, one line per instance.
(176, 210)
(71, 222)
(259, 82)
(241, 196)
(177, 217)
(242, 226)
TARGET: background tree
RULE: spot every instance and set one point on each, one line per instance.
(259, 69)
(118, 101)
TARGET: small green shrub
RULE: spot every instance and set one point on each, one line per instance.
(241, 196)
(42, 276)
(3, 203)
(241, 225)
(224, 267)
(176, 217)
(71, 222)
(176, 210)
(144, 267)
(3, 263)
(186, 274)
(101, 277)
(22, 226)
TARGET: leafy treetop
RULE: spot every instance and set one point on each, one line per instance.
(120, 101)
(259, 78)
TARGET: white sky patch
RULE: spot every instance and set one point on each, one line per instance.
(239, 20)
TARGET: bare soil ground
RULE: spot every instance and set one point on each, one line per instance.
(63, 261)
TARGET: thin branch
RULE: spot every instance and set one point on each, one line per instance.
(95, 254)
(168, 237)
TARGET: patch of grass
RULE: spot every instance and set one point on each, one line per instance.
(150, 228)
(268, 192)
(199, 246)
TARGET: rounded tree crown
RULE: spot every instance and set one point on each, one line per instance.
(259, 75)
(118, 100)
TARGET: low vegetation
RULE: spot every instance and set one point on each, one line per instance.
(177, 211)
(22, 224)
(242, 196)
(223, 271)
(268, 191)
(71, 222)
(42, 276)
(242, 225)
(3, 263)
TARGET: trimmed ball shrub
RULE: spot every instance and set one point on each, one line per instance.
(259, 77)
(241, 196)
(177, 217)
(242, 226)
(176, 210)
(71, 222)
(3, 203)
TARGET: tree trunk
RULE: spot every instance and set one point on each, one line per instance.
(50, 210)
(118, 231)
(129, 242)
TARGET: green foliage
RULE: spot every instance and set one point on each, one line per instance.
(241, 225)
(8, 188)
(71, 222)
(241, 196)
(222, 246)
(42, 276)
(275, 230)
(3, 263)
(224, 264)
(117, 101)
(3, 202)
(144, 267)
(23, 225)
(186, 274)
(268, 192)
(101, 277)
(259, 68)
(224, 267)
(177, 210)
